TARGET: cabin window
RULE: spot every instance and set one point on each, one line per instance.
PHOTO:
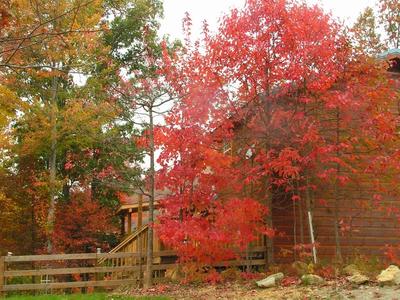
(394, 65)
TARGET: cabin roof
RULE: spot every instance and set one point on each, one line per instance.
(131, 202)
(390, 54)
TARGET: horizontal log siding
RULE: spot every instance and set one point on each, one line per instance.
(366, 229)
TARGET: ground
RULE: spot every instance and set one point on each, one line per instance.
(84, 297)
(332, 290)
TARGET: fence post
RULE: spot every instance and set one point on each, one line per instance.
(140, 277)
(2, 269)
(97, 275)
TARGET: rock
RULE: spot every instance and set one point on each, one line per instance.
(300, 267)
(390, 276)
(358, 279)
(351, 270)
(311, 279)
(270, 281)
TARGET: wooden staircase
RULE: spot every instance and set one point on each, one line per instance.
(134, 242)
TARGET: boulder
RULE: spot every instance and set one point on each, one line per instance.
(300, 267)
(390, 276)
(270, 281)
(358, 279)
(351, 270)
(312, 279)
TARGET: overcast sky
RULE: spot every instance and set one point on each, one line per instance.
(211, 10)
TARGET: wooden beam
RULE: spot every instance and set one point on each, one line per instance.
(140, 212)
(81, 256)
(32, 258)
(129, 229)
(64, 271)
(122, 225)
(63, 285)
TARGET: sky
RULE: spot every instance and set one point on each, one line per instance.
(211, 10)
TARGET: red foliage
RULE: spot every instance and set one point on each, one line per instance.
(250, 276)
(80, 223)
(290, 280)
(213, 277)
(211, 209)
(327, 272)
(4, 14)
(393, 254)
(267, 75)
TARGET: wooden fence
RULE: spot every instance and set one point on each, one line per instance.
(69, 271)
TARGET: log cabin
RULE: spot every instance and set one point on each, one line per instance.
(369, 232)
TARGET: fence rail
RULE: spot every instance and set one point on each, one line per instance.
(65, 271)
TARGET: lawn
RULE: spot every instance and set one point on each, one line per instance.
(83, 297)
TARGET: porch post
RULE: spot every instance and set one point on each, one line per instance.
(129, 222)
(140, 214)
(122, 228)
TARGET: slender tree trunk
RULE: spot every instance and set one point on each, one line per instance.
(336, 191)
(33, 230)
(301, 216)
(140, 237)
(149, 262)
(294, 231)
(310, 221)
(269, 241)
(52, 166)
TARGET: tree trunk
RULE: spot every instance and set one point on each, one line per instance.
(52, 166)
(149, 262)
(301, 216)
(310, 221)
(140, 237)
(269, 241)
(338, 250)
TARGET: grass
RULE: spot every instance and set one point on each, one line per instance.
(83, 297)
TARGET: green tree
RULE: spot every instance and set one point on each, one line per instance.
(365, 38)
(137, 48)
(389, 16)
(68, 133)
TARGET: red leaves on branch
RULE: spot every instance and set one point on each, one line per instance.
(269, 44)
(80, 224)
(274, 101)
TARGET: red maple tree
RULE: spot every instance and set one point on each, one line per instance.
(273, 105)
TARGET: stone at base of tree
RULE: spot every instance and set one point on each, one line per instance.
(270, 281)
(390, 276)
(358, 279)
(300, 267)
(312, 279)
(351, 270)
